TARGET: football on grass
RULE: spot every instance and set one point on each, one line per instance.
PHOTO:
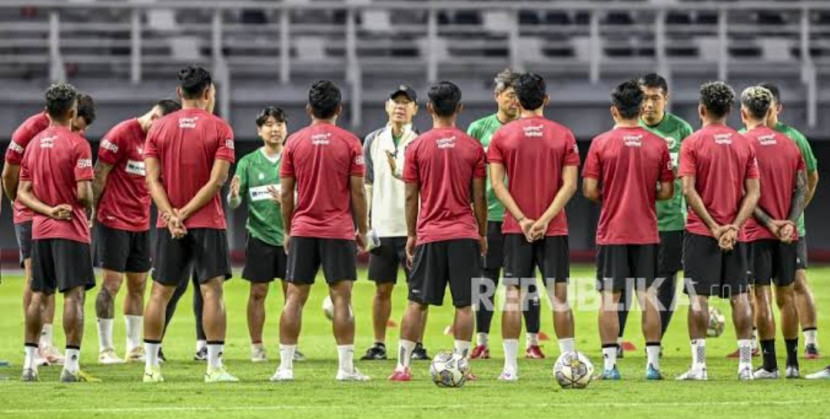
(449, 369)
(328, 309)
(573, 370)
(717, 321)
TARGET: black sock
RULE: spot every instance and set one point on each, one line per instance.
(768, 350)
(792, 352)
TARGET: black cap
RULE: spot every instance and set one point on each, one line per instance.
(406, 90)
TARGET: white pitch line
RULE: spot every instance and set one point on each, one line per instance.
(454, 406)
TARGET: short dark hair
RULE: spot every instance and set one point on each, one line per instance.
(776, 93)
(717, 97)
(531, 89)
(627, 97)
(271, 111)
(193, 81)
(86, 108)
(60, 98)
(324, 98)
(168, 106)
(757, 100)
(654, 80)
(444, 97)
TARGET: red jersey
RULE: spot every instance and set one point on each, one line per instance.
(779, 162)
(187, 143)
(529, 148)
(628, 163)
(54, 163)
(721, 160)
(322, 158)
(443, 162)
(125, 203)
(21, 137)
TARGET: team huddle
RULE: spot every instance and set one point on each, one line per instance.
(452, 209)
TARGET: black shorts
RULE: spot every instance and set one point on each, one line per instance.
(385, 259)
(670, 254)
(60, 264)
(494, 259)
(202, 252)
(23, 232)
(626, 266)
(307, 254)
(436, 264)
(263, 261)
(122, 250)
(710, 271)
(549, 255)
(771, 261)
(801, 260)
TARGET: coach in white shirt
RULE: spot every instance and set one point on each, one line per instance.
(384, 151)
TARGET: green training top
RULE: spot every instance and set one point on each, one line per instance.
(483, 130)
(806, 153)
(256, 173)
(671, 213)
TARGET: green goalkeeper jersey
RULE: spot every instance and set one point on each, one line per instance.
(806, 153)
(671, 213)
(256, 174)
(483, 130)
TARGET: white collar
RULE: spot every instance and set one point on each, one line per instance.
(269, 158)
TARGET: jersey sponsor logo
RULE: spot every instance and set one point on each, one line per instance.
(531, 131)
(321, 139)
(723, 139)
(48, 142)
(108, 145)
(766, 140)
(261, 176)
(188, 122)
(576, 148)
(675, 159)
(262, 193)
(84, 163)
(17, 148)
(229, 143)
(633, 140)
(445, 142)
(135, 168)
(359, 160)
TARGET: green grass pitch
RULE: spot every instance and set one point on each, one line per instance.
(316, 393)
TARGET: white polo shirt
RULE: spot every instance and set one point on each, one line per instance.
(388, 217)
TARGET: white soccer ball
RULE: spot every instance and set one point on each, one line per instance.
(573, 370)
(328, 309)
(717, 322)
(449, 369)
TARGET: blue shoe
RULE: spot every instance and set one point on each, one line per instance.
(612, 374)
(653, 373)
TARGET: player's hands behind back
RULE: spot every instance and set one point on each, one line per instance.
(61, 212)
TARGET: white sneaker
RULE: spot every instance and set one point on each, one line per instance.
(355, 375)
(693, 374)
(507, 375)
(258, 355)
(762, 374)
(108, 357)
(746, 374)
(792, 372)
(821, 375)
(282, 375)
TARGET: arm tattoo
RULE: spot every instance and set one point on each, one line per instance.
(799, 196)
(761, 216)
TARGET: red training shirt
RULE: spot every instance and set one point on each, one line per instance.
(443, 162)
(125, 202)
(187, 143)
(628, 163)
(322, 158)
(21, 137)
(534, 151)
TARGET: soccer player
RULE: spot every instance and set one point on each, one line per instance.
(671, 213)
(122, 207)
(535, 226)
(771, 233)
(257, 180)
(483, 130)
(47, 353)
(622, 170)
(805, 303)
(720, 183)
(326, 165)
(445, 170)
(384, 150)
(187, 156)
(56, 183)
